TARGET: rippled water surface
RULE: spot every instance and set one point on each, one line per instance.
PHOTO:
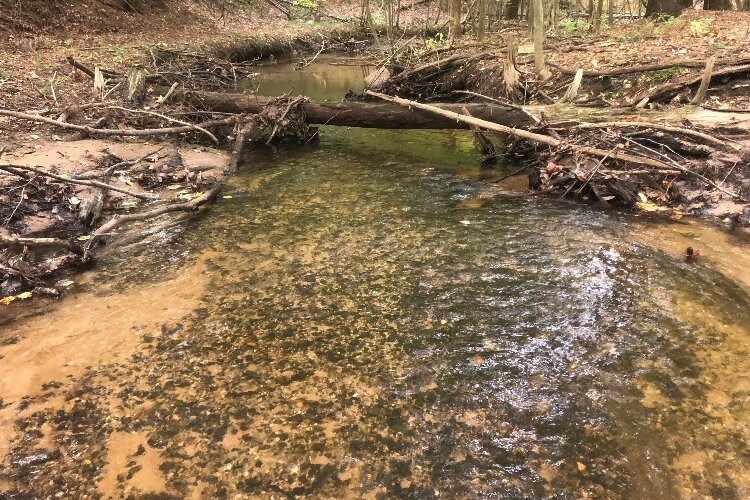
(370, 318)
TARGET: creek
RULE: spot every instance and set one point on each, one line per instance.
(368, 316)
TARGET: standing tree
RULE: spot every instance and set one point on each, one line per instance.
(511, 9)
(717, 5)
(537, 16)
(455, 23)
(482, 19)
(671, 7)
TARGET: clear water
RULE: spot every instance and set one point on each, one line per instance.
(378, 321)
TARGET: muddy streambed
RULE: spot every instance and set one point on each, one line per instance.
(368, 317)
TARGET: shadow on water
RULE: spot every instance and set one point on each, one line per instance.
(374, 320)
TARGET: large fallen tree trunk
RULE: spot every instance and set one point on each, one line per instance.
(360, 114)
(392, 116)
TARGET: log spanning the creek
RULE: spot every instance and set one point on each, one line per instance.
(363, 114)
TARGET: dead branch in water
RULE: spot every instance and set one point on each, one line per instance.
(20, 241)
(119, 220)
(550, 141)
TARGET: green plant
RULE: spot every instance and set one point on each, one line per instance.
(574, 27)
(663, 18)
(6, 75)
(118, 55)
(436, 41)
(701, 27)
(663, 75)
(38, 62)
(377, 19)
(307, 4)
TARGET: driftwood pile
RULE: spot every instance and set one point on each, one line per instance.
(88, 217)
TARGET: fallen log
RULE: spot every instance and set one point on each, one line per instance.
(390, 116)
(627, 70)
(359, 114)
(668, 90)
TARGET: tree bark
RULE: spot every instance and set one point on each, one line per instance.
(538, 16)
(455, 20)
(482, 20)
(717, 5)
(511, 9)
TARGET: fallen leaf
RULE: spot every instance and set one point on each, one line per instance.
(642, 197)
(228, 197)
(24, 295)
(465, 222)
(84, 237)
(648, 206)
(174, 186)
(7, 300)
(581, 467)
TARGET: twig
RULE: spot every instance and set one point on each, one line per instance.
(116, 166)
(114, 132)
(163, 100)
(286, 111)
(728, 173)
(23, 191)
(18, 241)
(104, 97)
(544, 139)
(169, 119)
(515, 172)
(593, 171)
(144, 196)
(308, 63)
(657, 126)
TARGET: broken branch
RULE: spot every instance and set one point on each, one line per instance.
(10, 169)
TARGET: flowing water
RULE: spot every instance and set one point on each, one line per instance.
(368, 317)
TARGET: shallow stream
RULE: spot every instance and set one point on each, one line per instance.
(369, 317)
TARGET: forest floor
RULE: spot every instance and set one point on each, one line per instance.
(36, 77)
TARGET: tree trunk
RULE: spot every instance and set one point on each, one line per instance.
(538, 15)
(360, 114)
(482, 20)
(455, 21)
(511, 10)
(671, 7)
(717, 5)
(598, 16)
